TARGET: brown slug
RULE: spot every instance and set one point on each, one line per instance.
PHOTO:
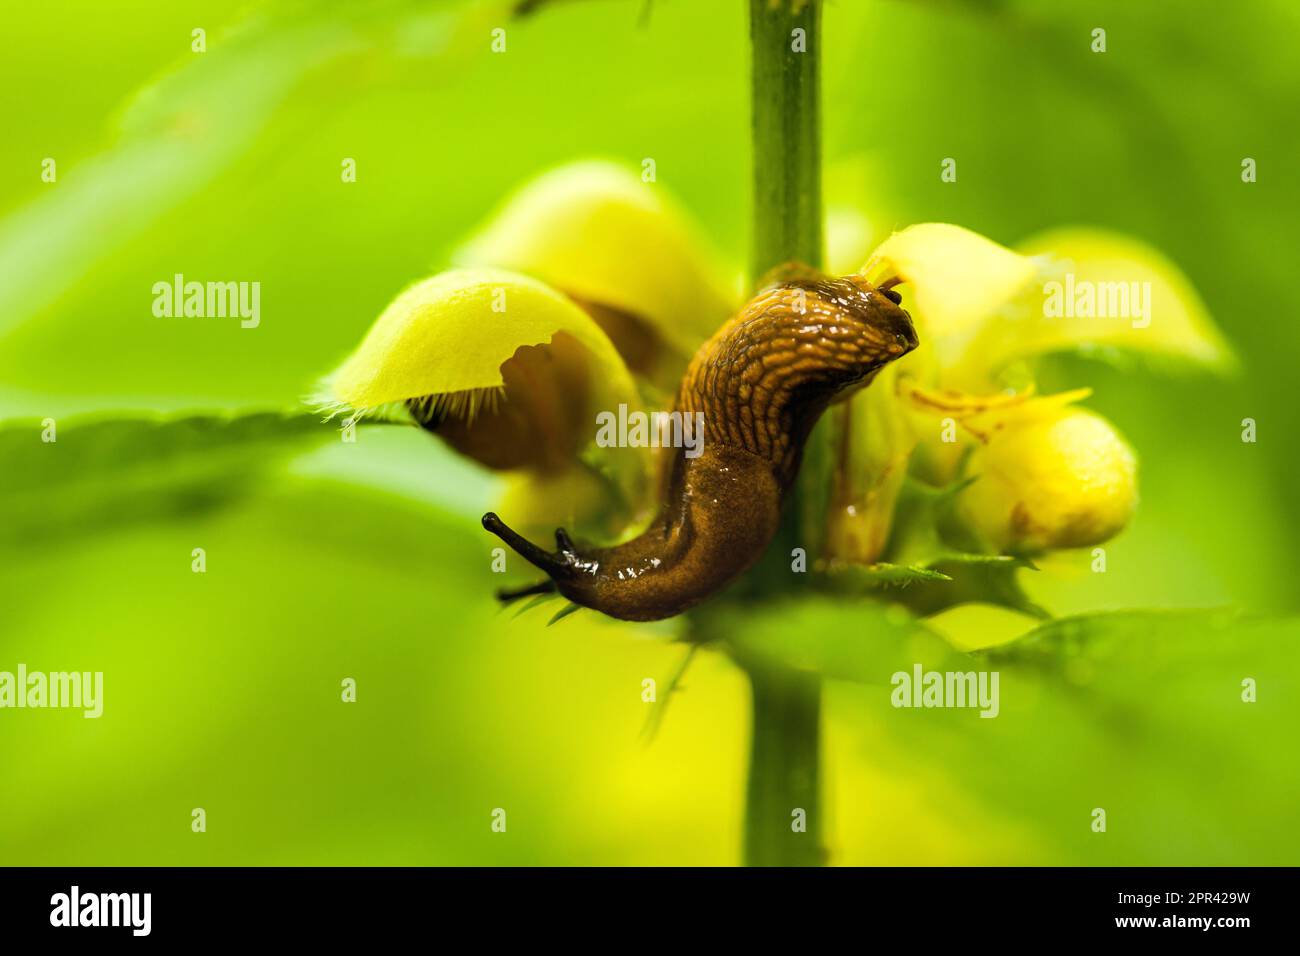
(761, 382)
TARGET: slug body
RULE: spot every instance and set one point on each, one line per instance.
(760, 383)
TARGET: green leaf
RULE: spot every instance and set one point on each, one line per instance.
(921, 513)
(1142, 713)
(563, 612)
(935, 573)
(847, 639)
(178, 135)
(673, 686)
(866, 575)
(99, 473)
(536, 601)
(986, 579)
(1139, 713)
(309, 582)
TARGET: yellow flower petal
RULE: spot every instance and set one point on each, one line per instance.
(947, 422)
(956, 279)
(1110, 290)
(598, 233)
(939, 419)
(983, 416)
(452, 333)
(505, 369)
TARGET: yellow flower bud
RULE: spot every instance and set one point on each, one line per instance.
(1065, 479)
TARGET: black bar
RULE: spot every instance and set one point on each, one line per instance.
(375, 905)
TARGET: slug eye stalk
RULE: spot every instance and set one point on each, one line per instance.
(560, 563)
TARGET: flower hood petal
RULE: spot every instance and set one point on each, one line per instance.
(452, 333)
(595, 231)
(956, 278)
(1114, 291)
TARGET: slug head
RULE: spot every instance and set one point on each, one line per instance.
(857, 327)
(766, 376)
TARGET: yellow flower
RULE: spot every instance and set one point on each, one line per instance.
(590, 290)
(983, 314)
(622, 249)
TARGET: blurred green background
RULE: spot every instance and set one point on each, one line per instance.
(328, 561)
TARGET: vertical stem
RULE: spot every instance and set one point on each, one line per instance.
(785, 753)
(786, 92)
(782, 803)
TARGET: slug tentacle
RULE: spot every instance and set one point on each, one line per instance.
(759, 385)
(557, 564)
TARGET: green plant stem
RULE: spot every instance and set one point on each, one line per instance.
(786, 88)
(785, 752)
(785, 41)
(782, 802)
